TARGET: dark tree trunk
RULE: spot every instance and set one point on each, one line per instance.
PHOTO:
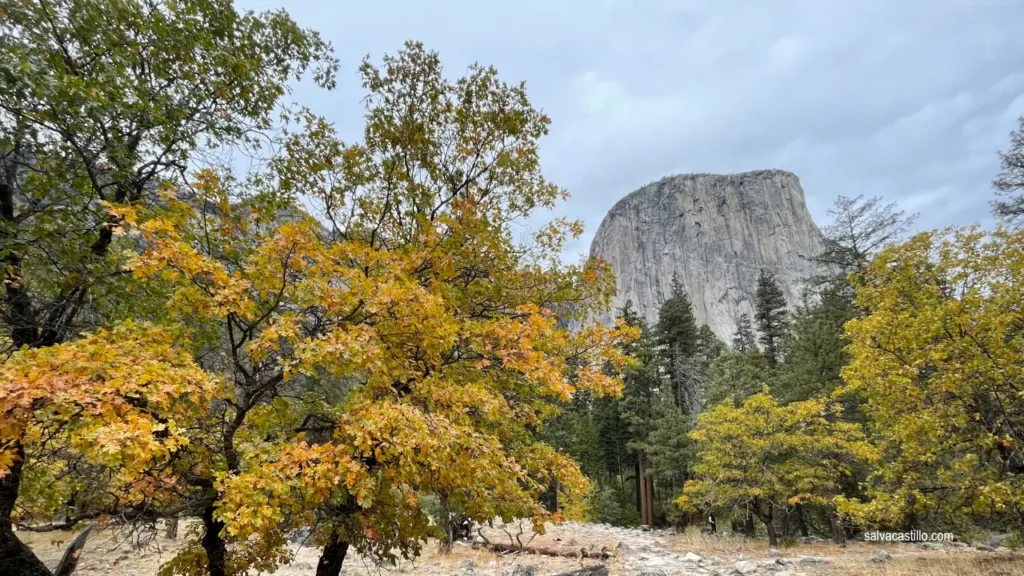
(768, 518)
(748, 525)
(838, 529)
(23, 323)
(69, 561)
(636, 482)
(910, 518)
(801, 520)
(214, 544)
(16, 558)
(14, 554)
(643, 496)
(773, 537)
(649, 478)
(646, 495)
(444, 547)
(332, 557)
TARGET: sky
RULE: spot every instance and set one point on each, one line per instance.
(904, 99)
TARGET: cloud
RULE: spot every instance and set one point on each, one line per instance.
(909, 100)
(786, 53)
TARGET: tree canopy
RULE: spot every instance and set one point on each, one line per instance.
(938, 361)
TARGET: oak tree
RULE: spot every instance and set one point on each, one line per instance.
(99, 103)
(938, 360)
(768, 458)
(391, 265)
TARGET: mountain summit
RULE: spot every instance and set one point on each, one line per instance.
(716, 231)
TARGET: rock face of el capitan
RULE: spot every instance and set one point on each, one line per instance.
(716, 231)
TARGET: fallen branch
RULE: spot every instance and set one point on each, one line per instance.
(498, 547)
(70, 560)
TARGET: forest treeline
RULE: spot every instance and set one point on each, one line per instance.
(887, 397)
(215, 308)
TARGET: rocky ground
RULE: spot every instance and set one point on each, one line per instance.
(630, 552)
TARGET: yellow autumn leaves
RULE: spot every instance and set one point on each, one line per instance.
(940, 364)
(936, 379)
(799, 452)
(355, 328)
(121, 398)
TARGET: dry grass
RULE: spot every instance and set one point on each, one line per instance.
(719, 545)
(936, 565)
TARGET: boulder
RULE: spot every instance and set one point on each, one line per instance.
(746, 567)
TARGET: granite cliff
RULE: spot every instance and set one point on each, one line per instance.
(717, 232)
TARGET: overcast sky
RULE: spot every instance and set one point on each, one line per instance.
(908, 100)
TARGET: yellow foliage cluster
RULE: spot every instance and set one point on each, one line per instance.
(122, 399)
(763, 454)
(369, 330)
(939, 361)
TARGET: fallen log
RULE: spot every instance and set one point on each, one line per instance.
(597, 570)
(498, 547)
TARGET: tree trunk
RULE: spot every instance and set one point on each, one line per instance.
(768, 518)
(646, 495)
(14, 554)
(748, 525)
(910, 517)
(214, 544)
(650, 499)
(332, 557)
(838, 530)
(68, 563)
(773, 537)
(639, 491)
(444, 547)
(16, 558)
(801, 521)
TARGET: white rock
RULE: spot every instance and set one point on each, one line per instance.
(746, 567)
(691, 557)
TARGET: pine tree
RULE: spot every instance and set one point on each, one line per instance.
(709, 345)
(735, 376)
(860, 228)
(816, 349)
(642, 385)
(743, 340)
(772, 317)
(1009, 183)
(677, 335)
(677, 327)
